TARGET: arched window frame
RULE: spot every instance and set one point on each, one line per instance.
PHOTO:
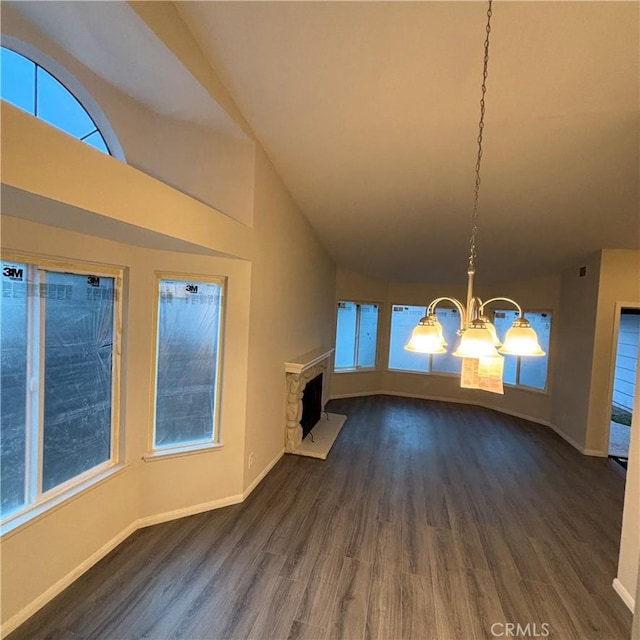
(73, 86)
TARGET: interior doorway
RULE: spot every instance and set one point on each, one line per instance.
(624, 383)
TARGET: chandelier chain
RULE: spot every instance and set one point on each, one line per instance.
(474, 219)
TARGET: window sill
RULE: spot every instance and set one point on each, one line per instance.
(522, 387)
(38, 511)
(179, 452)
(358, 370)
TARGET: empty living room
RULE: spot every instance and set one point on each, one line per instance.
(316, 318)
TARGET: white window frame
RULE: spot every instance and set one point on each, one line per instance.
(358, 367)
(39, 501)
(517, 384)
(175, 450)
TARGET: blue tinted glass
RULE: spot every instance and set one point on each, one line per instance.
(346, 335)
(403, 321)
(78, 352)
(17, 80)
(533, 370)
(60, 108)
(367, 335)
(13, 385)
(97, 141)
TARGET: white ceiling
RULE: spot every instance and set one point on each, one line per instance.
(369, 113)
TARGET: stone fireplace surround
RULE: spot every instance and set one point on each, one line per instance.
(299, 371)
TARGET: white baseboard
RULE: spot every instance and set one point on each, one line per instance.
(167, 516)
(342, 396)
(567, 438)
(597, 453)
(624, 594)
(262, 475)
(16, 620)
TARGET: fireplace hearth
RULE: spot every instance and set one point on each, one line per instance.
(301, 372)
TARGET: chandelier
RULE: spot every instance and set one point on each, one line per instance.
(479, 347)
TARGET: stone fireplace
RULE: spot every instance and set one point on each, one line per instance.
(299, 372)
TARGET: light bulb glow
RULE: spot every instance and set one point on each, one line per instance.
(476, 342)
(440, 330)
(427, 337)
(492, 330)
(521, 340)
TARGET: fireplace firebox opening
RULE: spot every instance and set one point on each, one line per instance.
(311, 404)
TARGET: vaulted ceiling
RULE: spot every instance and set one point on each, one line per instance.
(369, 112)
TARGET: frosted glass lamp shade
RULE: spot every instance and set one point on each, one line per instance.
(476, 342)
(521, 340)
(440, 330)
(492, 330)
(427, 337)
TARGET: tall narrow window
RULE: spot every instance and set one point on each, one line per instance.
(59, 371)
(523, 371)
(356, 335)
(403, 320)
(187, 363)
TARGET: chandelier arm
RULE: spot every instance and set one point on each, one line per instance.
(458, 305)
(501, 299)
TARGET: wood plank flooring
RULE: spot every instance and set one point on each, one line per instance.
(428, 521)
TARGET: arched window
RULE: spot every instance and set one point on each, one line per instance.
(28, 86)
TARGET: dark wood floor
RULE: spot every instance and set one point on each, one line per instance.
(428, 520)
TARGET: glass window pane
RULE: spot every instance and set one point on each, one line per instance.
(97, 141)
(346, 335)
(187, 354)
(502, 321)
(13, 385)
(17, 80)
(77, 393)
(368, 335)
(403, 321)
(533, 370)
(58, 107)
(446, 362)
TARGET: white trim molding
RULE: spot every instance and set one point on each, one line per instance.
(306, 361)
(625, 596)
(262, 475)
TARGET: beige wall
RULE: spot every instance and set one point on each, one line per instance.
(42, 552)
(213, 164)
(63, 199)
(574, 354)
(292, 285)
(619, 285)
